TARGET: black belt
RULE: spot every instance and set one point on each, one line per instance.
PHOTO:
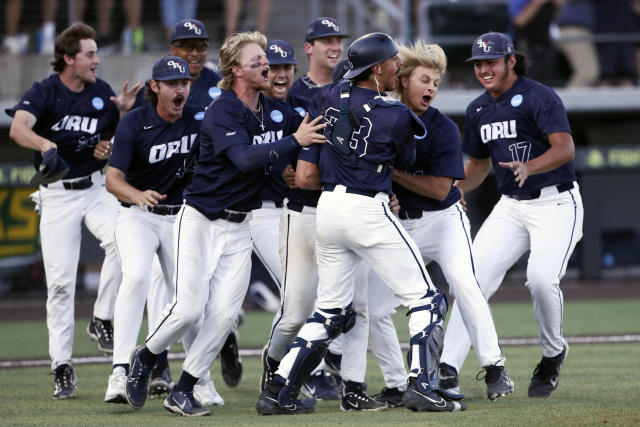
(410, 213)
(368, 193)
(297, 207)
(81, 184)
(158, 209)
(231, 216)
(534, 195)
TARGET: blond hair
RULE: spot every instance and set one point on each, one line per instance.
(230, 54)
(421, 54)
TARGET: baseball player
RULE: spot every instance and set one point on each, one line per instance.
(148, 169)
(366, 133)
(74, 113)
(432, 214)
(323, 42)
(520, 127)
(242, 132)
(190, 41)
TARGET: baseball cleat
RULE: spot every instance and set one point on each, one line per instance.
(269, 368)
(183, 403)
(64, 383)
(161, 382)
(448, 376)
(268, 403)
(317, 387)
(391, 396)
(137, 380)
(231, 365)
(357, 400)
(545, 376)
(116, 387)
(333, 362)
(206, 394)
(498, 382)
(418, 401)
(101, 331)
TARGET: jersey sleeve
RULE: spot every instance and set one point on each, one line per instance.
(445, 151)
(225, 126)
(310, 154)
(34, 101)
(124, 143)
(472, 145)
(550, 113)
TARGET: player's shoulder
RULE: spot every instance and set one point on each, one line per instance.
(209, 75)
(140, 117)
(434, 119)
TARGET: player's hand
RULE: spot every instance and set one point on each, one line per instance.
(103, 150)
(289, 176)
(394, 204)
(148, 199)
(519, 169)
(307, 131)
(48, 145)
(127, 98)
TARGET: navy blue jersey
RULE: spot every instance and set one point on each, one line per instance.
(385, 137)
(155, 154)
(74, 121)
(439, 154)
(302, 96)
(203, 91)
(218, 183)
(515, 127)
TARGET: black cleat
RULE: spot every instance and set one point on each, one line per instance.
(137, 380)
(448, 377)
(498, 382)
(391, 396)
(231, 365)
(357, 400)
(101, 331)
(64, 383)
(269, 368)
(161, 382)
(432, 401)
(183, 403)
(268, 403)
(545, 376)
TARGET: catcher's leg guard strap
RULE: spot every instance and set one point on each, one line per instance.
(309, 356)
(339, 320)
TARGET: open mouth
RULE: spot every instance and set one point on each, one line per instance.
(427, 99)
(280, 84)
(178, 101)
(334, 56)
(265, 73)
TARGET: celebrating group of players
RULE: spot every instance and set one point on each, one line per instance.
(344, 183)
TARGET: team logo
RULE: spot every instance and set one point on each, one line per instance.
(516, 100)
(483, 44)
(97, 103)
(300, 111)
(199, 115)
(331, 24)
(193, 27)
(214, 92)
(278, 49)
(276, 116)
(176, 66)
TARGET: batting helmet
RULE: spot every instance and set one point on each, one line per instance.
(367, 51)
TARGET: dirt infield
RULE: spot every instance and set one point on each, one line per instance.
(32, 306)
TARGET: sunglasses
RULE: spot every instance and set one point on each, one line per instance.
(199, 45)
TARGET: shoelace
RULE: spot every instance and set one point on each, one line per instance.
(63, 379)
(105, 329)
(491, 374)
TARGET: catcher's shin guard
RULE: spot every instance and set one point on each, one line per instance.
(309, 356)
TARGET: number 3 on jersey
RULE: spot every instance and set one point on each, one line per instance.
(520, 151)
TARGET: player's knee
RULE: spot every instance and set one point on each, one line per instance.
(541, 280)
(335, 320)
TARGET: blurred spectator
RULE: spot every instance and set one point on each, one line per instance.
(232, 15)
(576, 23)
(617, 59)
(532, 19)
(17, 44)
(174, 11)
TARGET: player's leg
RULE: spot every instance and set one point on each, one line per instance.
(265, 226)
(136, 241)
(555, 225)
(499, 243)
(60, 234)
(100, 219)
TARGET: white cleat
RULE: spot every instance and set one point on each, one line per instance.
(116, 392)
(205, 393)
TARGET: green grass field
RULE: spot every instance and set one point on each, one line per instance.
(600, 383)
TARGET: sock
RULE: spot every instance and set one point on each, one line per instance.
(148, 358)
(186, 383)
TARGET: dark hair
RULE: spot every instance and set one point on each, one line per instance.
(150, 94)
(363, 75)
(68, 43)
(522, 63)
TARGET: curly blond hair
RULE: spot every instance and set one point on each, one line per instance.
(421, 54)
(230, 54)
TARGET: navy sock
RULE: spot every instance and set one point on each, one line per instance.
(123, 365)
(148, 358)
(186, 383)
(162, 359)
(352, 386)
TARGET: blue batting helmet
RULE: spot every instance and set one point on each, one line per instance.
(369, 50)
